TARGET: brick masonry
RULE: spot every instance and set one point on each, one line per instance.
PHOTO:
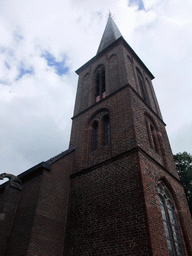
(100, 201)
(114, 207)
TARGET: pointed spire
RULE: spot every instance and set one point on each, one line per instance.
(110, 34)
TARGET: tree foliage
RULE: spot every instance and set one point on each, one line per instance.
(183, 163)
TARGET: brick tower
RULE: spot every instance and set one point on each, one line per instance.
(125, 195)
(115, 191)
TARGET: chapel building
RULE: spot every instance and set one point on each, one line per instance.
(116, 190)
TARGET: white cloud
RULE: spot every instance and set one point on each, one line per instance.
(35, 110)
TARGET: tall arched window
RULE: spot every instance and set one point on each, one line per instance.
(152, 134)
(106, 130)
(142, 85)
(154, 138)
(100, 83)
(170, 222)
(95, 135)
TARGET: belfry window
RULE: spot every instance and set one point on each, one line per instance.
(170, 221)
(153, 135)
(95, 135)
(100, 83)
(141, 85)
(106, 130)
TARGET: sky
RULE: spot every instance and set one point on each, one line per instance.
(43, 42)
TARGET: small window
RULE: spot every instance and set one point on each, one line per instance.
(106, 130)
(100, 83)
(170, 222)
(95, 135)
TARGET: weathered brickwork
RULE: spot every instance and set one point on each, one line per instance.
(24, 216)
(107, 211)
(140, 109)
(86, 96)
(122, 130)
(152, 173)
(50, 216)
(130, 118)
(131, 65)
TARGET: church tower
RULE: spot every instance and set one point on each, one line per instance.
(116, 190)
(125, 194)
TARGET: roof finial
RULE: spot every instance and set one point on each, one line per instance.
(111, 33)
(110, 15)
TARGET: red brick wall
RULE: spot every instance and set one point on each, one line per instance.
(86, 90)
(107, 211)
(128, 129)
(120, 189)
(50, 216)
(23, 219)
(122, 130)
(114, 209)
(151, 175)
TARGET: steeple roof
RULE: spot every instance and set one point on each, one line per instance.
(110, 34)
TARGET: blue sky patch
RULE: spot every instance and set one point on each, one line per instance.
(3, 82)
(17, 37)
(2, 49)
(7, 65)
(23, 70)
(7, 50)
(60, 66)
(100, 15)
(139, 3)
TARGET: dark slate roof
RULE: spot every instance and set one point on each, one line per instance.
(32, 172)
(110, 34)
(59, 156)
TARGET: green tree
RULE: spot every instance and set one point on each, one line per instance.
(183, 163)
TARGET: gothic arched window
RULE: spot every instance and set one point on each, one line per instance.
(152, 134)
(170, 221)
(154, 138)
(95, 135)
(100, 83)
(106, 130)
(141, 85)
